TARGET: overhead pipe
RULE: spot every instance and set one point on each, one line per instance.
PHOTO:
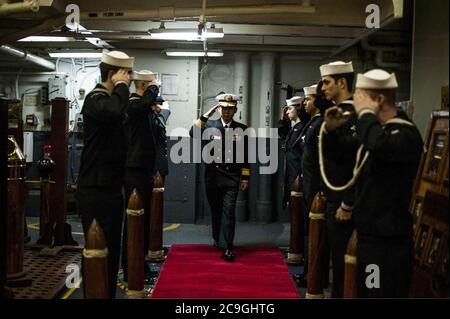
(24, 55)
(19, 7)
(170, 13)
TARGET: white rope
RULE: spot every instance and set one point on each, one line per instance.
(316, 216)
(356, 170)
(135, 212)
(157, 254)
(314, 296)
(350, 259)
(135, 294)
(95, 253)
(294, 258)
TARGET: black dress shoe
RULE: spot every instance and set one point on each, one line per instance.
(300, 280)
(216, 244)
(149, 276)
(228, 255)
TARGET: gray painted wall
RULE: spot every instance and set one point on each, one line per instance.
(430, 58)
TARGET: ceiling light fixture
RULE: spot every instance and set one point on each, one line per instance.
(46, 39)
(198, 53)
(75, 54)
(185, 34)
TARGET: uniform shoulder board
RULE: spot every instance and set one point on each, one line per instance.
(134, 98)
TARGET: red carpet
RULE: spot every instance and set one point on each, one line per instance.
(197, 271)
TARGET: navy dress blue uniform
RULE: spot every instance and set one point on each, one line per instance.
(310, 160)
(222, 179)
(99, 186)
(162, 161)
(142, 149)
(339, 151)
(383, 194)
(293, 154)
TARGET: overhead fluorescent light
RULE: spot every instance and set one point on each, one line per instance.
(199, 53)
(46, 39)
(88, 55)
(185, 34)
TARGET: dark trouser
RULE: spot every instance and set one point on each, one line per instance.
(106, 206)
(339, 234)
(222, 191)
(142, 180)
(394, 258)
(302, 227)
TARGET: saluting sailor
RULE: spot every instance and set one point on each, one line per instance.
(337, 162)
(99, 187)
(383, 190)
(315, 106)
(141, 152)
(162, 111)
(294, 118)
(224, 175)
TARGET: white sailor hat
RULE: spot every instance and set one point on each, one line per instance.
(310, 90)
(296, 100)
(117, 58)
(337, 67)
(376, 79)
(227, 100)
(143, 75)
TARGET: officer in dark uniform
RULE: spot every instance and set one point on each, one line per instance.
(294, 118)
(225, 175)
(337, 167)
(141, 151)
(383, 190)
(162, 112)
(99, 187)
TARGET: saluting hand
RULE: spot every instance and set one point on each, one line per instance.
(157, 83)
(334, 118)
(121, 75)
(244, 185)
(157, 109)
(284, 115)
(212, 110)
(362, 100)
